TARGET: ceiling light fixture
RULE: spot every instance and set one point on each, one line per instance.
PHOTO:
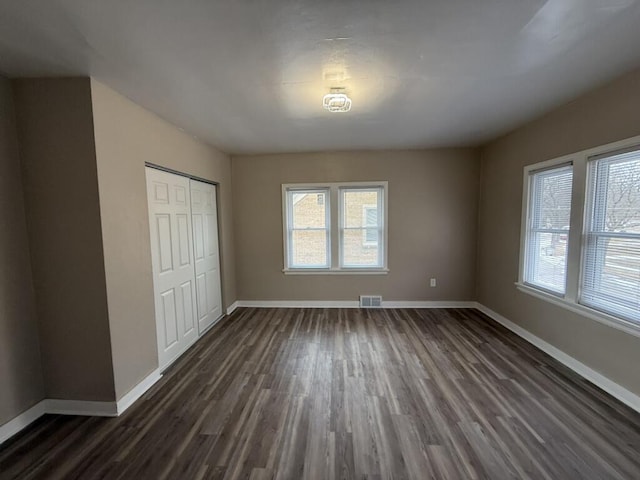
(336, 101)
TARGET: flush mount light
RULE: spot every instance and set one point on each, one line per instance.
(336, 101)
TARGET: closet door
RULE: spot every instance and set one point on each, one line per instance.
(173, 263)
(206, 251)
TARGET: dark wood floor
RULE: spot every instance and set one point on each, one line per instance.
(353, 394)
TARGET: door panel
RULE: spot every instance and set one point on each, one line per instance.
(183, 239)
(207, 258)
(187, 305)
(181, 195)
(198, 236)
(161, 192)
(173, 263)
(201, 282)
(163, 223)
(212, 235)
(169, 318)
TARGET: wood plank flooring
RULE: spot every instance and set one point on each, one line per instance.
(348, 394)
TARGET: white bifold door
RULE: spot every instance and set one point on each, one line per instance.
(185, 257)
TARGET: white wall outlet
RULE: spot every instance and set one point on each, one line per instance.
(432, 283)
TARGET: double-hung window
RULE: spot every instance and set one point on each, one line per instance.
(611, 276)
(335, 228)
(308, 228)
(361, 228)
(581, 233)
(548, 228)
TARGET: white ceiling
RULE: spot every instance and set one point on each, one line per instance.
(248, 75)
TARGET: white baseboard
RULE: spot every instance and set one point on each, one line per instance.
(232, 307)
(136, 392)
(23, 420)
(349, 304)
(77, 407)
(58, 407)
(298, 303)
(80, 407)
(428, 304)
(612, 388)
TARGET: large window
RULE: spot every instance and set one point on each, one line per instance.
(581, 233)
(548, 227)
(611, 277)
(335, 228)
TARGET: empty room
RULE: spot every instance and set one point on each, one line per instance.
(320, 240)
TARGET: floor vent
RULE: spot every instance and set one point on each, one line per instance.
(370, 301)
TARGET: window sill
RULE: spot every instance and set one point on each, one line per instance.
(341, 271)
(601, 317)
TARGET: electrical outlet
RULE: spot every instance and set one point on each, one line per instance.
(433, 282)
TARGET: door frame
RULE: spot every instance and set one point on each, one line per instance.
(187, 175)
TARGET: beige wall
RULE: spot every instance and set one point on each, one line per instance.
(20, 371)
(432, 224)
(55, 130)
(127, 136)
(605, 115)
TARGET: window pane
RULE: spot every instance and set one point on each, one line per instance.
(371, 235)
(355, 252)
(308, 211)
(547, 228)
(371, 216)
(308, 229)
(355, 202)
(612, 275)
(553, 205)
(621, 195)
(361, 229)
(309, 248)
(611, 278)
(548, 261)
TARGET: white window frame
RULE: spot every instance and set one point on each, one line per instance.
(593, 229)
(530, 231)
(334, 223)
(381, 208)
(576, 235)
(289, 229)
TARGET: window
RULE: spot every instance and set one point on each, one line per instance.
(308, 228)
(335, 228)
(611, 277)
(355, 226)
(547, 227)
(581, 233)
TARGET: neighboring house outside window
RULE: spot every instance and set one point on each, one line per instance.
(370, 221)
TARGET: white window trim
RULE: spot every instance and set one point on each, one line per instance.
(530, 171)
(576, 250)
(382, 201)
(288, 219)
(334, 215)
